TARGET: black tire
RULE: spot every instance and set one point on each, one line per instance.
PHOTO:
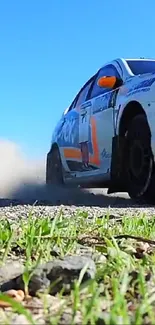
(54, 172)
(139, 163)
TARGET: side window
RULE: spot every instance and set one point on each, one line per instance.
(108, 70)
(83, 93)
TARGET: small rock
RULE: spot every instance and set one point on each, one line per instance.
(100, 258)
(15, 295)
(142, 249)
(55, 251)
(114, 216)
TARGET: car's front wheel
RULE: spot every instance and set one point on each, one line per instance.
(54, 172)
(139, 163)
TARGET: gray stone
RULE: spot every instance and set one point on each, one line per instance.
(55, 275)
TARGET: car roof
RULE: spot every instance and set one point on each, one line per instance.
(127, 59)
(123, 61)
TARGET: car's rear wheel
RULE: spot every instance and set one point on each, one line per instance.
(139, 164)
(54, 172)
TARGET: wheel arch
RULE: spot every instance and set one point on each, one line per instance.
(54, 146)
(131, 110)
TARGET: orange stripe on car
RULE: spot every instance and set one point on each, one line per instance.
(95, 158)
(73, 153)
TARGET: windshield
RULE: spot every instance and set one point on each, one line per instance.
(141, 66)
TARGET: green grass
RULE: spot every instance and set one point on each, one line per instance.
(123, 291)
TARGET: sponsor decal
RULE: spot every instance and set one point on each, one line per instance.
(101, 103)
(105, 154)
(86, 105)
(143, 90)
(83, 153)
(67, 132)
(142, 86)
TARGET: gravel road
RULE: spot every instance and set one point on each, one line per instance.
(48, 201)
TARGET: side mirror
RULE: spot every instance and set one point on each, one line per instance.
(109, 82)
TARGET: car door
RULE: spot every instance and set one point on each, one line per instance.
(70, 131)
(103, 103)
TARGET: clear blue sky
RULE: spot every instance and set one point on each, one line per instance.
(49, 48)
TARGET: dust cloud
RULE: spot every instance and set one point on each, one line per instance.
(23, 179)
(16, 170)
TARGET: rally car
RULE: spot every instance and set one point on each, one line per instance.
(107, 134)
